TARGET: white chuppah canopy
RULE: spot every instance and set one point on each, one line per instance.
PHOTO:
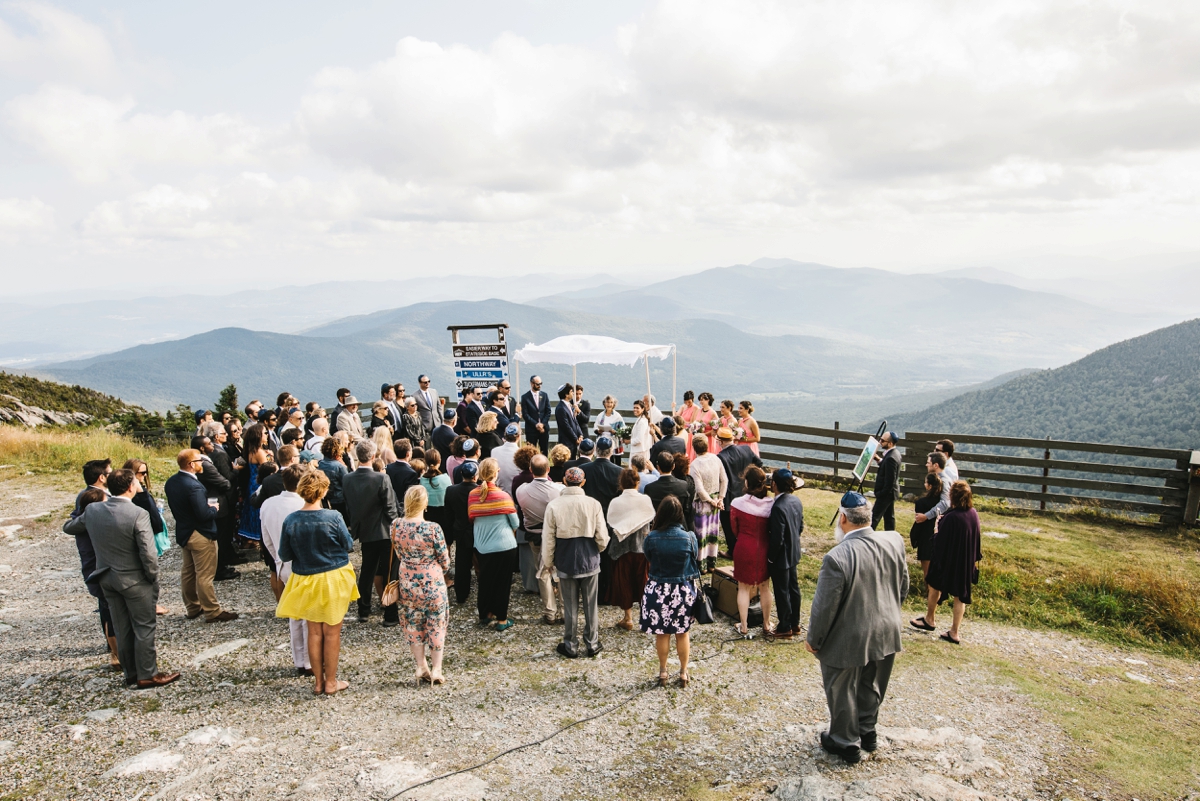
(576, 349)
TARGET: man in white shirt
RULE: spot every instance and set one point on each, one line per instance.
(936, 463)
(532, 499)
(274, 511)
(947, 447)
(504, 455)
(320, 428)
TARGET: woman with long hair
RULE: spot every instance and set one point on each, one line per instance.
(921, 534)
(671, 586)
(256, 454)
(642, 435)
(688, 415)
(494, 523)
(748, 425)
(424, 605)
(145, 500)
(435, 483)
(629, 516)
(382, 437)
(322, 585)
(953, 561)
(748, 517)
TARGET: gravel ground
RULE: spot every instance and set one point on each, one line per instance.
(242, 725)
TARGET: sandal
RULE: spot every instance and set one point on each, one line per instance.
(437, 678)
(663, 678)
(683, 679)
(341, 685)
(949, 639)
(922, 625)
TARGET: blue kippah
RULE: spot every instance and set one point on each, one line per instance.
(852, 500)
(587, 446)
(604, 443)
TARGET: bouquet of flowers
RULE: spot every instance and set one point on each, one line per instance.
(712, 426)
(739, 433)
(696, 427)
(620, 430)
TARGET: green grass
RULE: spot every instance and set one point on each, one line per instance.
(62, 453)
(1109, 579)
(57, 397)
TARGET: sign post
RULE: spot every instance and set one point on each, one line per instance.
(479, 365)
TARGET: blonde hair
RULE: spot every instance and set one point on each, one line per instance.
(313, 486)
(489, 469)
(415, 501)
(559, 454)
(487, 422)
(382, 438)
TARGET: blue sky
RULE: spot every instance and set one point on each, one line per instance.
(150, 142)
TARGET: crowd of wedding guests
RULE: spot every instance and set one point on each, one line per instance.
(440, 497)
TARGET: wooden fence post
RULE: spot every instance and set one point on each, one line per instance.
(836, 427)
(1045, 474)
(1192, 508)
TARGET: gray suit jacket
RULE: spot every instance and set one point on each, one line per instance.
(856, 609)
(370, 504)
(123, 539)
(430, 416)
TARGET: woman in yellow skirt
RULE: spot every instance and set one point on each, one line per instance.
(322, 584)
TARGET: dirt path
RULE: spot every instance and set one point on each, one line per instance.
(242, 725)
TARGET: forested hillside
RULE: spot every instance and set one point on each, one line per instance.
(1143, 391)
(56, 397)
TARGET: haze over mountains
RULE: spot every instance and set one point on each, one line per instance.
(1145, 390)
(806, 342)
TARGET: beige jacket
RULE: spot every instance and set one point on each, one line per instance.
(572, 514)
(351, 423)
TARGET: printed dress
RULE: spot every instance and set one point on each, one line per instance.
(667, 607)
(424, 605)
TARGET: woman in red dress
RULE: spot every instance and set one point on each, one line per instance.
(748, 517)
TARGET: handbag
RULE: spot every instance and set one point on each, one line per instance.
(391, 593)
(702, 609)
(162, 540)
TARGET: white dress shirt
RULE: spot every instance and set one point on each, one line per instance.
(273, 512)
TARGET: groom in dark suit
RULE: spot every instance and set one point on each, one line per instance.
(535, 413)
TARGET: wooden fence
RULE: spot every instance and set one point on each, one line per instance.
(1043, 473)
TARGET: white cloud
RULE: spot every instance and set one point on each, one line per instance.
(95, 137)
(59, 46)
(22, 218)
(759, 125)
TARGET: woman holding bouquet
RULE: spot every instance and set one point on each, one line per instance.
(707, 422)
(689, 413)
(610, 422)
(727, 419)
(748, 426)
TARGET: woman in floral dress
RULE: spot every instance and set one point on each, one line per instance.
(424, 606)
(670, 590)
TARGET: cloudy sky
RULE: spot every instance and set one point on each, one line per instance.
(248, 143)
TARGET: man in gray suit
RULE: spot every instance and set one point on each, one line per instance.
(854, 628)
(370, 509)
(127, 568)
(429, 405)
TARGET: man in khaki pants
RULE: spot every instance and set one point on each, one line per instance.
(532, 498)
(196, 532)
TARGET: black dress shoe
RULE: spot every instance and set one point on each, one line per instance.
(567, 651)
(225, 574)
(849, 754)
(868, 741)
(591, 652)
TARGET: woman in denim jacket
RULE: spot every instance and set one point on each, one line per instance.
(671, 590)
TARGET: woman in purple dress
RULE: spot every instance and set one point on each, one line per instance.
(952, 566)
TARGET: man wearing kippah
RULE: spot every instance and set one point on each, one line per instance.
(854, 626)
(573, 535)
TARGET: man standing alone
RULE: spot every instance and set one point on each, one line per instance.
(127, 568)
(854, 628)
(535, 413)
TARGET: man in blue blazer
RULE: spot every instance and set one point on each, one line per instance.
(535, 413)
(196, 533)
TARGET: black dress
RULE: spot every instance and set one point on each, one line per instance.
(956, 550)
(921, 535)
(488, 440)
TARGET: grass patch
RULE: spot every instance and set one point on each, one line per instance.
(1112, 580)
(62, 452)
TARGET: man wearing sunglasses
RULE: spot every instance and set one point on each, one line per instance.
(196, 532)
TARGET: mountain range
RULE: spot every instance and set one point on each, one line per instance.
(1143, 391)
(806, 342)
